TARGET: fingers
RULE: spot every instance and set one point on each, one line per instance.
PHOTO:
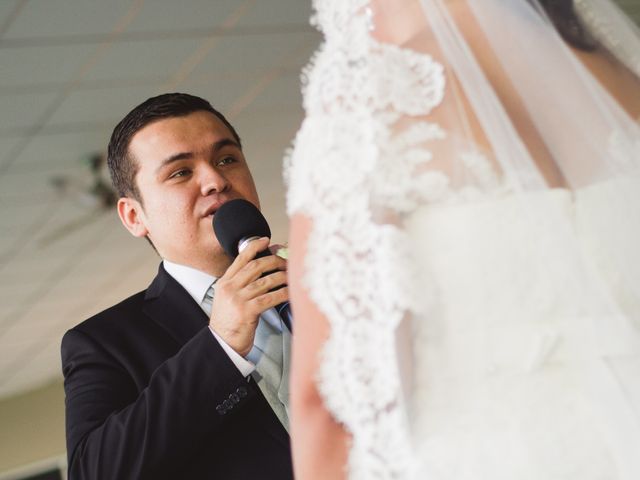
(249, 287)
(248, 277)
(270, 299)
(264, 284)
(253, 270)
(248, 254)
(246, 268)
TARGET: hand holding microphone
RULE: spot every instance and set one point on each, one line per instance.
(255, 281)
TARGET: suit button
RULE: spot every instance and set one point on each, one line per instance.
(227, 404)
(234, 397)
(221, 410)
(241, 391)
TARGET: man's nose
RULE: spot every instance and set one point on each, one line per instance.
(212, 180)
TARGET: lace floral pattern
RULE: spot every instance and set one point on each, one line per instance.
(355, 171)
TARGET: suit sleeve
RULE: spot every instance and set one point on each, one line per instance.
(116, 432)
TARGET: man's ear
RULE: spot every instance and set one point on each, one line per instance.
(132, 216)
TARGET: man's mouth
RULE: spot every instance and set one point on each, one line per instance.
(211, 211)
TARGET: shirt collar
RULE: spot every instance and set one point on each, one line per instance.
(195, 282)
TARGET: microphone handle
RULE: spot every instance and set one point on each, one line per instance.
(263, 253)
(283, 308)
(242, 244)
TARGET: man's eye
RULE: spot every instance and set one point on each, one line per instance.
(180, 173)
(226, 161)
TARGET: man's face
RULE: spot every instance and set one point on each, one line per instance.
(187, 167)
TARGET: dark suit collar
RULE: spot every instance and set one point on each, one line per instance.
(171, 306)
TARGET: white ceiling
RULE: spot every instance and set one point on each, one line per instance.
(70, 70)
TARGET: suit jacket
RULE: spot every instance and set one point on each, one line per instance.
(151, 394)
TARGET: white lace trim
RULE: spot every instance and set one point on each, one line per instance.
(354, 172)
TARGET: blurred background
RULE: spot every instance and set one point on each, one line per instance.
(70, 70)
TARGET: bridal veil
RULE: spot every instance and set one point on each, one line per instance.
(471, 171)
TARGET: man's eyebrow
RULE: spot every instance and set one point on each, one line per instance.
(219, 145)
(225, 142)
(174, 158)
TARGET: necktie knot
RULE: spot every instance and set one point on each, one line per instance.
(209, 292)
(207, 301)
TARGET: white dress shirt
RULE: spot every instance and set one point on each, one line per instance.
(197, 283)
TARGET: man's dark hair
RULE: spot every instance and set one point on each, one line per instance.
(122, 166)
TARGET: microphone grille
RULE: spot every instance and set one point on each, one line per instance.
(238, 219)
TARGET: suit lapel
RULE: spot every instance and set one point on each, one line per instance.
(169, 305)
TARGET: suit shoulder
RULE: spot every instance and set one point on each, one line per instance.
(112, 317)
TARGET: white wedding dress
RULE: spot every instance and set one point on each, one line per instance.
(521, 371)
(483, 325)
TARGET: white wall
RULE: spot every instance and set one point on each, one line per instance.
(32, 428)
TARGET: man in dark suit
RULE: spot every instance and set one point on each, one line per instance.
(166, 384)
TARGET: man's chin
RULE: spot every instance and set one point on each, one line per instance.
(218, 256)
(219, 264)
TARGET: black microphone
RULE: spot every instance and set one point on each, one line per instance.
(236, 223)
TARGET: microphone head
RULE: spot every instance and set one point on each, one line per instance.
(238, 219)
